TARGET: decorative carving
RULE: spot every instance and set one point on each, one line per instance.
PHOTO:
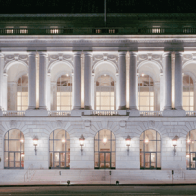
(15, 57)
(60, 57)
(152, 123)
(105, 57)
(59, 123)
(13, 123)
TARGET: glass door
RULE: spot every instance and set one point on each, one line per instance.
(16, 160)
(149, 160)
(104, 160)
(192, 160)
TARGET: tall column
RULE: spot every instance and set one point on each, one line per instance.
(12, 96)
(93, 91)
(194, 96)
(157, 96)
(32, 81)
(53, 96)
(1, 81)
(162, 101)
(42, 80)
(122, 79)
(4, 91)
(132, 81)
(87, 80)
(168, 81)
(77, 80)
(48, 89)
(178, 80)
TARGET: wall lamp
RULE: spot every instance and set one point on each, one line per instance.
(174, 142)
(35, 141)
(81, 139)
(128, 142)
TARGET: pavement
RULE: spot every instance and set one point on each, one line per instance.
(97, 190)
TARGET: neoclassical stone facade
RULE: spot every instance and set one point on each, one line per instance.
(78, 99)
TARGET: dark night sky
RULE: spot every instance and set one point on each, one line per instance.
(96, 6)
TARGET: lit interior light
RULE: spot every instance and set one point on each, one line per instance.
(142, 75)
(22, 155)
(187, 156)
(146, 140)
(105, 140)
(21, 140)
(188, 141)
(67, 75)
(105, 75)
(63, 140)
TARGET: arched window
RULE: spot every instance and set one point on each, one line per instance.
(150, 150)
(145, 93)
(14, 149)
(59, 149)
(64, 93)
(188, 93)
(105, 150)
(191, 150)
(105, 93)
(22, 93)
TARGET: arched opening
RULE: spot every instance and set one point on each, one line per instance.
(191, 150)
(145, 93)
(105, 93)
(14, 149)
(22, 93)
(59, 149)
(150, 150)
(105, 150)
(64, 93)
(188, 93)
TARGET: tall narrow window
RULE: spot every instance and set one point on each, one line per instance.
(64, 93)
(145, 93)
(188, 93)
(22, 93)
(14, 149)
(59, 149)
(105, 150)
(150, 150)
(191, 150)
(105, 93)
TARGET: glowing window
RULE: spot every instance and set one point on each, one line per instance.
(22, 93)
(64, 93)
(145, 93)
(188, 93)
(105, 93)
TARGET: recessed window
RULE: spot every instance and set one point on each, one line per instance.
(14, 149)
(64, 93)
(145, 93)
(105, 93)
(22, 93)
(188, 93)
(54, 31)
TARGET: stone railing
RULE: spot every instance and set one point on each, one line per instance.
(151, 113)
(13, 113)
(190, 113)
(59, 113)
(105, 112)
(95, 31)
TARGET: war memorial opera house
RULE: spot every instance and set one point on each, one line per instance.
(84, 98)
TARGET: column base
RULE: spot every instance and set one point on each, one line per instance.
(77, 108)
(76, 112)
(87, 107)
(36, 112)
(122, 112)
(1, 112)
(134, 112)
(174, 112)
(122, 107)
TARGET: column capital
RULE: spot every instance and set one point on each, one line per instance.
(122, 52)
(133, 53)
(87, 52)
(43, 53)
(165, 54)
(31, 52)
(1, 54)
(178, 53)
(77, 52)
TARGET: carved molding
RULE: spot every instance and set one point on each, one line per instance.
(105, 57)
(59, 58)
